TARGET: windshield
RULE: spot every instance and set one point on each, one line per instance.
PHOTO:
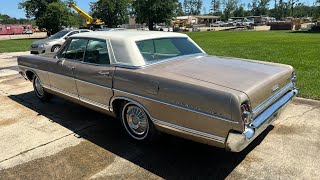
(155, 50)
(59, 35)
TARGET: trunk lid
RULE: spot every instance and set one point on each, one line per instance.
(259, 80)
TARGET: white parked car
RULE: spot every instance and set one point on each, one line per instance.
(218, 24)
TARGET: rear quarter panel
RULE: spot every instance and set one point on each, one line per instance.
(179, 100)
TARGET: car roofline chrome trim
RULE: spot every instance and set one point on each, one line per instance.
(176, 106)
(171, 126)
(122, 65)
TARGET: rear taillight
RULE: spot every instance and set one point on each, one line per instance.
(245, 113)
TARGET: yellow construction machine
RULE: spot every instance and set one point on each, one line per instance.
(90, 21)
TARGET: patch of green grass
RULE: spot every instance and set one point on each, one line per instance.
(300, 50)
(16, 45)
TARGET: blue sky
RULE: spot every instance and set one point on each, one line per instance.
(10, 7)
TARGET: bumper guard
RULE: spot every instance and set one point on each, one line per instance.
(236, 142)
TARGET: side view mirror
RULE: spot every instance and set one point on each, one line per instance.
(65, 38)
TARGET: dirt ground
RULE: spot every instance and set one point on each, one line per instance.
(24, 36)
(62, 140)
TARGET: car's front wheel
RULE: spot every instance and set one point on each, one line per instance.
(39, 90)
(137, 123)
(55, 48)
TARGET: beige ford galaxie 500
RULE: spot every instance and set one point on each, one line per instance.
(164, 82)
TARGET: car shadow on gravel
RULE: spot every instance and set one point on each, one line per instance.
(169, 157)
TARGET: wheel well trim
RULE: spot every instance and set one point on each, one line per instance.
(33, 72)
(171, 126)
(132, 101)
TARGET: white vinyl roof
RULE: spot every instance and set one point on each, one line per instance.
(129, 35)
(124, 46)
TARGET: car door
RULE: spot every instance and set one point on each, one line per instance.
(94, 75)
(63, 67)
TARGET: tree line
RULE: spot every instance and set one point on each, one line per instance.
(6, 19)
(280, 10)
(54, 14)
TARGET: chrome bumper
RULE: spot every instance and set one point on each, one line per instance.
(236, 142)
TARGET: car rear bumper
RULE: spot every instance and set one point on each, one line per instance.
(236, 142)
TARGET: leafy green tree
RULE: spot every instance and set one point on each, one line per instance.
(230, 7)
(192, 7)
(239, 11)
(5, 19)
(215, 6)
(280, 13)
(155, 11)
(254, 8)
(75, 19)
(179, 11)
(55, 17)
(35, 8)
(50, 14)
(263, 7)
(112, 12)
(292, 4)
(259, 7)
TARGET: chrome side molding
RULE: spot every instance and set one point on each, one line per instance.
(180, 107)
(83, 99)
(193, 132)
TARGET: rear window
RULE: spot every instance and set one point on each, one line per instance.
(59, 35)
(155, 50)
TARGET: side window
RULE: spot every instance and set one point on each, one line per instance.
(72, 33)
(75, 50)
(83, 31)
(97, 52)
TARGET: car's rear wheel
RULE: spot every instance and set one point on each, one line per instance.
(39, 90)
(55, 48)
(137, 123)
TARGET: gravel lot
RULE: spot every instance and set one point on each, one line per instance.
(24, 36)
(62, 140)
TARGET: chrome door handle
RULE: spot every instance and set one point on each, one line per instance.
(59, 61)
(105, 73)
(71, 67)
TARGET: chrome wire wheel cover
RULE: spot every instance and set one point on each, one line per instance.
(136, 121)
(38, 87)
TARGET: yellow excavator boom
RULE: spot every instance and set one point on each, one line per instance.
(89, 19)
